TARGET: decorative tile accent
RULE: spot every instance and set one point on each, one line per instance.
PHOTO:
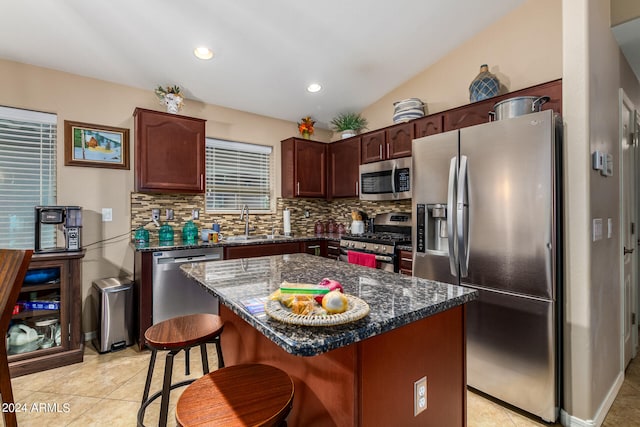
(319, 210)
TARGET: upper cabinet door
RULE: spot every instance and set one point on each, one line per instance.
(399, 139)
(170, 152)
(426, 126)
(344, 168)
(304, 168)
(373, 146)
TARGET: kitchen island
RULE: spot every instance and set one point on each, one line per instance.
(357, 374)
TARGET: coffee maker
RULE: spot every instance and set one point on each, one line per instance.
(50, 218)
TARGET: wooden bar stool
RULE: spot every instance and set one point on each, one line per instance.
(239, 395)
(174, 335)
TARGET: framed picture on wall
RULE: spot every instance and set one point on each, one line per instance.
(95, 146)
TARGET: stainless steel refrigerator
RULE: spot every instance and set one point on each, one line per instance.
(487, 215)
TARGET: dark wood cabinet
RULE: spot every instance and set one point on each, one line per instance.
(399, 139)
(373, 146)
(388, 143)
(428, 125)
(405, 262)
(478, 112)
(250, 251)
(315, 247)
(61, 274)
(468, 115)
(344, 170)
(170, 152)
(333, 249)
(304, 168)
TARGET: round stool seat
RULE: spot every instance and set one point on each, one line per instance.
(240, 395)
(183, 331)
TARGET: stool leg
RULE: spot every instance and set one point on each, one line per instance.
(166, 388)
(147, 385)
(219, 352)
(205, 359)
(187, 363)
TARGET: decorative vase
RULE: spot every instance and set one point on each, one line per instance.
(173, 102)
(306, 135)
(485, 85)
(348, 133)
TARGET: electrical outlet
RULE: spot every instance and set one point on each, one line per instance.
(155, 214)
(107, 214)
(169, 214)
(419, 396)
(195, 213)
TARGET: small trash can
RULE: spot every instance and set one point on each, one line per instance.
(113, 305)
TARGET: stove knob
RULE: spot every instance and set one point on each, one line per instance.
(364, 246)
(352, 244)
(375, 248)
(384, 249)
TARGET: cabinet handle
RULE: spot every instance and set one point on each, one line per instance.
(201, 181)
(357, 192)
(298, 189)
(387, 150)
(313, 247)
(333, 247)
(380, 154)
(406, 259)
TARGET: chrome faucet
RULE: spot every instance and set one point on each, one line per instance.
(244, 214)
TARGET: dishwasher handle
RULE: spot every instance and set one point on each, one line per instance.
(193, 258)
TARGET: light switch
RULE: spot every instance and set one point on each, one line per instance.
(609, 228)
(107, 214)
(597, 229)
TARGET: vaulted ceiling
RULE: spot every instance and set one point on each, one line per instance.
(266, 53)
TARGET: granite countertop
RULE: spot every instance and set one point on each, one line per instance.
(395, 300)
(178, 243)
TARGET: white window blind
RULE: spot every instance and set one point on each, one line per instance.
(237, 174)
(27, 173)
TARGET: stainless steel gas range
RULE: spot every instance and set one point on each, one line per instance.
(389, 231)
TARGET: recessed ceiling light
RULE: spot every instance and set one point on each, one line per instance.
(203, 53)
(314, 87)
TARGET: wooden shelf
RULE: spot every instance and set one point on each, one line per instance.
(42, 287)
(36, 313)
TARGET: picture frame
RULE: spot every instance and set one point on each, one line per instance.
(96, 146)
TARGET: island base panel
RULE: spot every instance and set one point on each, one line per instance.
(369, 383)
(433, 347)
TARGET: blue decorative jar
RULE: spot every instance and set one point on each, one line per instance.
(485, 85)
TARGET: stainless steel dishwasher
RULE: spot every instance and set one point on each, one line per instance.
(175, 294)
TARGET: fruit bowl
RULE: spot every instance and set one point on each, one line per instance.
(357, 309)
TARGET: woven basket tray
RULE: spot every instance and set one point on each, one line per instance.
(357, 309)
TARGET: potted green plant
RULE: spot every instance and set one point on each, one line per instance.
(349, 124)
(171, 96)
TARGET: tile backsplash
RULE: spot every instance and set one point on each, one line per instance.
(263, 223)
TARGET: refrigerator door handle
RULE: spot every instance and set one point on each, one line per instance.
(451, 198)
(462, 213)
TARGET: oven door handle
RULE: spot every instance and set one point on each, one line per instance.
(382, 258)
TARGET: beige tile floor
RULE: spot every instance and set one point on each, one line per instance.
(105, 390)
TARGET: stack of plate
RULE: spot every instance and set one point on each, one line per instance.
(407, 109)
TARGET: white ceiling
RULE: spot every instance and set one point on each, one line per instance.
(266, 52)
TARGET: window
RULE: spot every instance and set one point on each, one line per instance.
(237, 174)
(27, 173)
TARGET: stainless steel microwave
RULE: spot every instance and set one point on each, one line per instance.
(386, 180)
